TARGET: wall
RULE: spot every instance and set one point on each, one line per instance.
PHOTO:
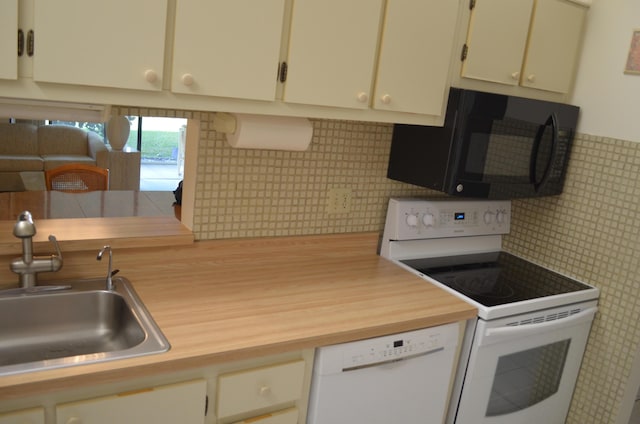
(602, 89)
(260, 193)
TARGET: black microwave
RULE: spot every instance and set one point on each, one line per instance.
(491, 146)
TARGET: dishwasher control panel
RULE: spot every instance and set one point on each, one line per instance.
(379, 350)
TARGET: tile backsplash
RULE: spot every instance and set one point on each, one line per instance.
(589, 232)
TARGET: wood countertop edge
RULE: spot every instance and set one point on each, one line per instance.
(79, 234)
(163, 363)
(188, 353)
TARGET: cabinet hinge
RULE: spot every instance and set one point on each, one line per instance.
(20, 42)
(282, 72)
(472, 4)
(465, 51)
(30, 43)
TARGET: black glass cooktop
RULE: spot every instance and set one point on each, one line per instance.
(498, 278)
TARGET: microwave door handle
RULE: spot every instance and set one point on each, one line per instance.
(553, 121)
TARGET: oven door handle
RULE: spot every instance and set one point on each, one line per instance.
(496, 335)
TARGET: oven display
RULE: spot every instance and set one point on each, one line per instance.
(458, 216)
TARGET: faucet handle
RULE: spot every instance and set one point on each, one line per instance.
(24, 227)
(54, 241)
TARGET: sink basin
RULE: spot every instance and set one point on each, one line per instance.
(74, 323)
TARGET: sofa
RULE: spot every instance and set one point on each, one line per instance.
(27, 150)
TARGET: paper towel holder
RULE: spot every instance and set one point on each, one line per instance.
(264, 132)
(224, 122)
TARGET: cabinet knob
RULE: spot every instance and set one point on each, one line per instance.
(265, 390)
(363, 97)
(74, 420)
(187, 79)
(531, 78)
(386, 99)
(515, 75)
(150, 75)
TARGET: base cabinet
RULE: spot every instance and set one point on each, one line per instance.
(249, 393)
(178, 403)
(271, 389)
(29, 416)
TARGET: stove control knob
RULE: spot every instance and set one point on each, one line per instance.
(412, 220)
(500, 217)
(428, 220)
(488, 217)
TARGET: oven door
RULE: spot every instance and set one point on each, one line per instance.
(523, 369)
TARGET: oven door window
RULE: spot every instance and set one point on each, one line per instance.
(525, 378)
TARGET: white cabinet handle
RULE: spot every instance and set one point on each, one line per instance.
(74, 420)
(515, 75)
(386, 99)
(187, 79)
(150, 75)
(363, 97)
(265, 390)
(531, 78)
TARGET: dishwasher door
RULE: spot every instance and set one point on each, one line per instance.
(403, 378)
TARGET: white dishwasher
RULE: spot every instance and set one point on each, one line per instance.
(402, 378)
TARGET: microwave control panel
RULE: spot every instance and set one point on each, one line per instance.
(409, 219)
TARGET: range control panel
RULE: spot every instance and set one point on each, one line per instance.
(409, 219)
(380, 350)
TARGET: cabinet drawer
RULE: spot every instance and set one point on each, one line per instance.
(257, 388)
(182, 403)
(35, 416)
(287, 416)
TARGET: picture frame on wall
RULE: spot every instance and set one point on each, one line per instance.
(633, 58)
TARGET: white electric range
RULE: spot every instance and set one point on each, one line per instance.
(532, 322)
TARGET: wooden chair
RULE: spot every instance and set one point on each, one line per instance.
(77, 178)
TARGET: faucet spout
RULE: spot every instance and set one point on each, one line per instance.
(110, 271)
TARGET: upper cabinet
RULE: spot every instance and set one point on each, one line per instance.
(413, 65)
(116, 43)
(370, 60)
(339, 51)
(228, 48)
(9, 39)
(332, 52)
(524, 43)
(555, 38)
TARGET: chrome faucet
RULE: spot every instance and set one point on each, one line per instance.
(28, 266)
(110, 272)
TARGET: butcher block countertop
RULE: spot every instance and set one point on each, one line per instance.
(226, 300)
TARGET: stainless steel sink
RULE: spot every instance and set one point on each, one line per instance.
(77, 324)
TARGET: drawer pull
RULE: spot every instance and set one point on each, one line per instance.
(265, 391)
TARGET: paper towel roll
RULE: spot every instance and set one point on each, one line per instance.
(271, 132)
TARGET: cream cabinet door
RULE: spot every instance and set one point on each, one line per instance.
(30, 416)
(115, 43)
(554, 42)
(415, 55)
(332, 52)
(177, 403)
(496, 40)
(228, 48)
(9, 39)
